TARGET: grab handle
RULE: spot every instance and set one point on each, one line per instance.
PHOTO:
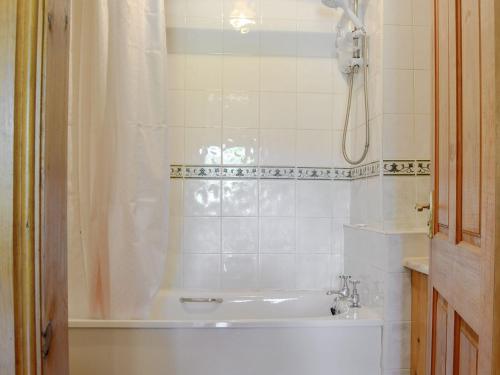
(202, 300)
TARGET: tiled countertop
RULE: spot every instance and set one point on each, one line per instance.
(417, 264)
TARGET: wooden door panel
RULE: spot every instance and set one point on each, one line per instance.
(469, 121)
(439, 334)
(466, 348)
(53, 193)
(442, 116)
(463, 251)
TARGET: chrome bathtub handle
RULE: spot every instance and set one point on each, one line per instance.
(202, 300)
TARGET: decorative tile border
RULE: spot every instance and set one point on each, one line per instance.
(365, 171)
(279, 173)
(389, 168)
(407, 167)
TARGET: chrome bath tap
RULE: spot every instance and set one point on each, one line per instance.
(344, 293)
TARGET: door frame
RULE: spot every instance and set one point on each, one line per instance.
(34, 44)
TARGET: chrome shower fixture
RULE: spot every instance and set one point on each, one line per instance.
(357, 63)
(351, 14)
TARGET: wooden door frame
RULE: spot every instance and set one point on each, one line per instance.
(34, 39)
(496, 283)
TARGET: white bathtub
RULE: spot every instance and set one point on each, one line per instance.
(289, 333)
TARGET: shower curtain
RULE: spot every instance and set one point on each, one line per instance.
(118, 163)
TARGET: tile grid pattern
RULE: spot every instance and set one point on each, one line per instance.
(243, 100)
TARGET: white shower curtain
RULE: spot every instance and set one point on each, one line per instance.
(118, 163)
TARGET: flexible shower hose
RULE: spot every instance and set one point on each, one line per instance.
(352, 72)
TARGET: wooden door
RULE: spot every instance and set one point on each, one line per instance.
(464, 249)
(34, 55)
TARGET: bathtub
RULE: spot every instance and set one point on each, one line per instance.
(289, 333)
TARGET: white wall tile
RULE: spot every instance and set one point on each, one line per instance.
(399, 202)
(238, 8)
(201, 271)
(399, 140)
(202, 198)
(314, 199)
(398, 296)
(203, 108)
(241, 35)
(314, 148)
(314, 75)
(398, 12)
(204, 36)
(241, 109)
(277, 147)
(203, 72)
(277, 271)
(278, 110)
(240, 234)
(277, 198)
(398, 91)
(423, 92)
(278, 37)
(315, 39)
(240, 147)
(315, 111)
(241, 73)
(202, 146)
(398, 47)
(239, 198)
(341, 196)
(313, 272)
(239, 271)
(314, 235)
(278, 74)
(280, 9)
(202, 234)
(277, 235)
(422, 47)
(396, 344)
(205, 8)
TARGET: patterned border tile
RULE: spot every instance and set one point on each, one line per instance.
(407, 167)
(176, 171)
(365, 171)
(240, 172)
(312, 173)
(423, 167)
(202, 171)
(389, 168)
(287, 173)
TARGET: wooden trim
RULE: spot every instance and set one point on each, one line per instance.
(419, 326)
(435, 192)
(25, 109)
(496, 251)
(8, 10)
(459, 124)
(433, 307)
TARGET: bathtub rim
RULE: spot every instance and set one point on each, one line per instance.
(361, 318)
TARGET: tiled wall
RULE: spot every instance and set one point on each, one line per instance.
(401, 118)
(255, 83)
(376, 258)
(401, 122)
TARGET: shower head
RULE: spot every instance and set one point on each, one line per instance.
(345, 6)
